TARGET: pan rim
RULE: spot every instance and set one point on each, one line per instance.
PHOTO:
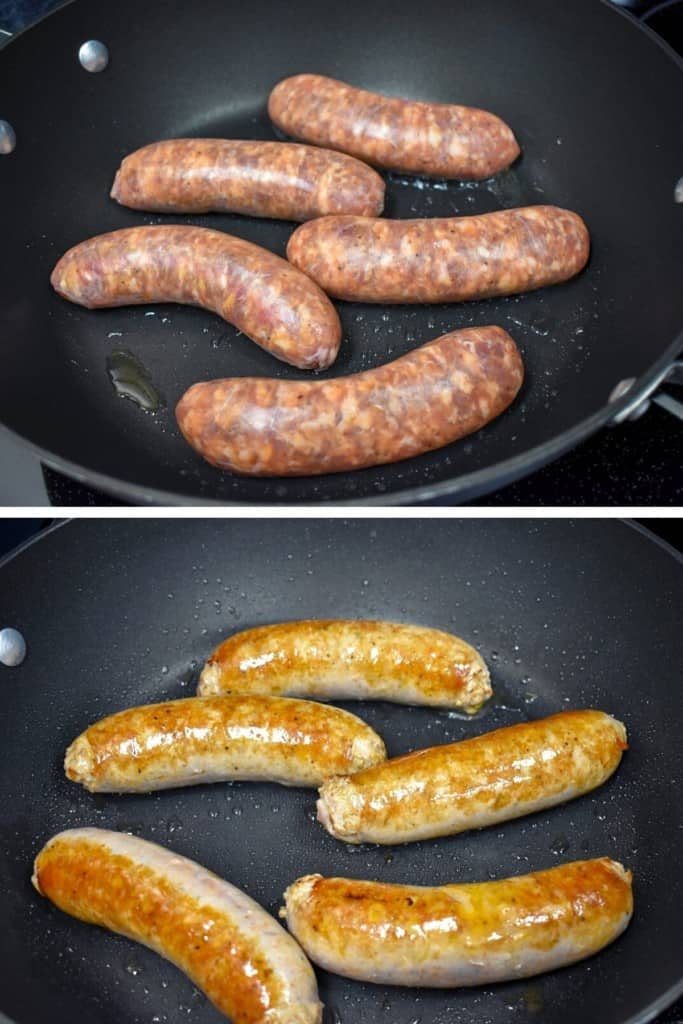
(463, 488)
(33, 539)
(666, 998)
(466, 487)
(632, 524)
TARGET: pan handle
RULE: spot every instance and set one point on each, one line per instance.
(639, 8)
(640, 403)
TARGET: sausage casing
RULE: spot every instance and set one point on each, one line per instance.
(481, 781)
(339, 659)
(260, 179)
(441, 259)
(435, 139)
(214, 739)
(457, 935)
(234, 951)
(428, 398)
(274, 304)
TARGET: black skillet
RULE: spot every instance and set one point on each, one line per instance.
(593, 97)
(568, 614)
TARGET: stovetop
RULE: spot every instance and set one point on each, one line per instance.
(635, 464)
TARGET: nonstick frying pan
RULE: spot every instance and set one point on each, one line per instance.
(568, 614)
(593, 97)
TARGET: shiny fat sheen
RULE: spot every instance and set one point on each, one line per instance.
(227, 944)
(259, 179)
(216, 739)
(476, 782)
(347, 659)
(458, 935)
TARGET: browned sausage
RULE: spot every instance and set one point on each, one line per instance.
(481, 781)
(424, 400)
(230, 947)
(274, 304)
(453, 935)
(349, 659)
(447, 259)
(214, 739)
(437, 139)
(261, 179)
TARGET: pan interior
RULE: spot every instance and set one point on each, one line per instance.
(595, 137)
(567, 615)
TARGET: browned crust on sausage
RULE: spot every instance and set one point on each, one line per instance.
(463, 934)
(101, 887)
(435, 139)
(441, 259)
(431, 397)
(199, 739)
(494, 777)
(350, 659)
(262, 295)
(260, 179)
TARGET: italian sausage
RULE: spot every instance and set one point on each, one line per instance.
(457, 935)
(242, 960)
(340, 659)
(481, 781)
(428, 398)
(442, 259)
(260, 179)
(435, 139)
(214, 739)
(262, 295)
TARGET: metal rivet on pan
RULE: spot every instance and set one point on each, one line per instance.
(633, 412)
(8, 139)
(93, 55)
(12, 647)
(622, 388)
(678, 191)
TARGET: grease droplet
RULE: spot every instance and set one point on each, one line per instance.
(131, 380)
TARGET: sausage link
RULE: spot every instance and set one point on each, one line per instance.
(457, 935)
(262, 295)
(429, 398)
(339, 659)
(435, 139)
(481, 781)
(215, 739)
(442, 259)
(260, 179)
(234, 951)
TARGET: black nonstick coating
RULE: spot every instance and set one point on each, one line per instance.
(568, 614)
(594, 100)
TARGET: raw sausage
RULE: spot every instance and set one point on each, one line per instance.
(275, 305)
(242, 960)
(456, 935)
(260, 179)
(431, 397)
(491, 778)
(214, 739)
(442, 259)
(338, 659)
(436, 139)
